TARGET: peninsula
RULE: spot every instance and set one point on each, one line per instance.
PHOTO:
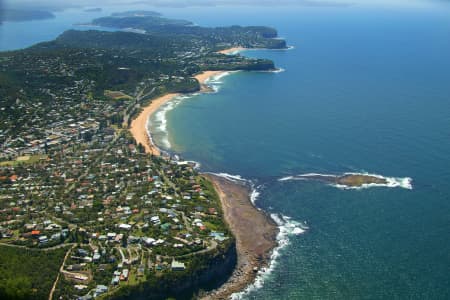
(20, 15)
(85, 198)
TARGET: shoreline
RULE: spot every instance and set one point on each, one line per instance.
(204, 76)
(232, 50)
(138, 127)
(255, 233)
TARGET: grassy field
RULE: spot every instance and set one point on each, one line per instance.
(27, 159)
(117, 95)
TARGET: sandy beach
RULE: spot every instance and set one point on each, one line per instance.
(255, 234)
(203, 77)
(231, 50)
(138, 126)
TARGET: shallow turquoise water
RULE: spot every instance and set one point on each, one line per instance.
(365, 90)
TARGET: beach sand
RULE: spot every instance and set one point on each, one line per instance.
(138, 126)
(231, 50)
(203, 77)
(255, 234)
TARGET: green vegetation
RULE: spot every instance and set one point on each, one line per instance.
(28, 274)
(357, 180)
(143, 20)
(185, 31)
(72, 174)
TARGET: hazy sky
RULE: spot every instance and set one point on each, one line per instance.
(166, 2)
(52, 4)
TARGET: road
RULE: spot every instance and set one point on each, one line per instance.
(61, 270)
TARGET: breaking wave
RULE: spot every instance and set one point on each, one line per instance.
(279, 70)
(214, 82)
(287, 229)
(276, 71)
(158, 122)
(255, 189)
(254, 195)
(391, 182)
(305, 176)
(234, 178)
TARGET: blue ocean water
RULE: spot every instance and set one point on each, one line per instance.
(18, 35)
(365, 89)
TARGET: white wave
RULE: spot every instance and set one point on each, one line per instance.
(214, 82)
(254, 195)
(149, 135)
(276, 71)
(234, 178)
(220, 76)
(160, 118)
(279, 70)
(158, 121)
(391, 182)
(305, 176)
(287, 228)
(287, 178)
(317, 174)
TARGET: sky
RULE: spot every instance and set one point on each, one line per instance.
(46, 4)
(54, 5)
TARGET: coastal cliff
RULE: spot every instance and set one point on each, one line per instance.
(255, 234)
(213, 271)
(141, 226)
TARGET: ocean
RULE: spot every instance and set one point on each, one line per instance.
(365, 89)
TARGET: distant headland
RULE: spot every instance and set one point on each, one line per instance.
(20, 15)
(111, 217)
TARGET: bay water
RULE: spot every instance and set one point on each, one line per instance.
(366, 88)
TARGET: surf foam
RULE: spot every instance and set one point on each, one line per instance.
(391, 182)
(254, 195)
(287, 229)
(234, 178)
(214, 82)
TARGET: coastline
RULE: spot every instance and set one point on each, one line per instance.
(203, 77)
(232, 50)
(255, 234)
(138, 127)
